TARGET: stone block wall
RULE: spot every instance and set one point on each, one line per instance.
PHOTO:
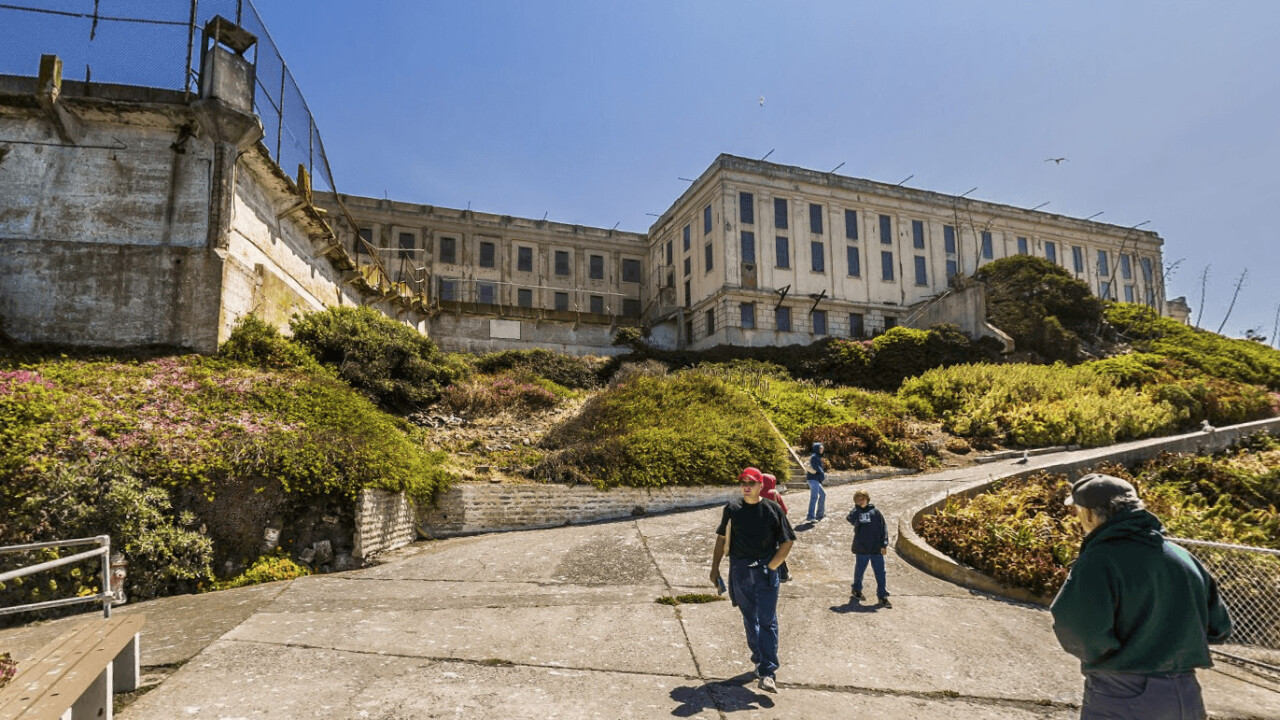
(384, 521)
(468, 509)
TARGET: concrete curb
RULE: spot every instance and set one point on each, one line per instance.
(922, 555)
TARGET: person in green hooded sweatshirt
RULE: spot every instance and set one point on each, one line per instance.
(1137, 610)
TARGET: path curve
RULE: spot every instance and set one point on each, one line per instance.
(562, 623)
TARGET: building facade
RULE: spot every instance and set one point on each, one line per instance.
(497, 282)
(753, 253)
(756, 253)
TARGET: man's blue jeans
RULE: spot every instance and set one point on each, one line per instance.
(877, 566)
(817, 501)
(755, 590)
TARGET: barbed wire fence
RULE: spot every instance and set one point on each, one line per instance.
(157, 44)
(1249, 582)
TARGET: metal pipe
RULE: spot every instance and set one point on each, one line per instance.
(53, 543)
(31, 570)
(106, 577)
(55, 603)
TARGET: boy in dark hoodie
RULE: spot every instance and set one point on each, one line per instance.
(1137, 610)
(870, 544)
(816, 475)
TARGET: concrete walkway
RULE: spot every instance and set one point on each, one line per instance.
(562, 623)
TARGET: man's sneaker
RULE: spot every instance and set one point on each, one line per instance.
(811, 520)
(884, 603)
(857, 595)
(768, 684)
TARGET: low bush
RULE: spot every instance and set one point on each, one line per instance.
(860, 444)
(1244, 361)
(401, 369)
(795, 406)
(684, 429)
(268, 568)
(515, 392)
(571, 371)
(256, 344)
(1036, 405)
(1019, 532)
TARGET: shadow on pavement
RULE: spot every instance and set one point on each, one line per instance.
(854, 606)
(730, 695)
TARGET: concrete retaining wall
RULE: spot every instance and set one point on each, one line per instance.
(384, 521)
(468, 509)
(925, 557)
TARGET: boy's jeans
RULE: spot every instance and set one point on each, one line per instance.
(817, 501)
(877, 566)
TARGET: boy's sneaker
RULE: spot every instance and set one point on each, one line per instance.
(768, 684)
(857, 595)
(884, 603)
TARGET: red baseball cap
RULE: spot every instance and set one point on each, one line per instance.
(751, 475)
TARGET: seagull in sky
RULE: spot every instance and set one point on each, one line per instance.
(761, 101)
(1057, 161)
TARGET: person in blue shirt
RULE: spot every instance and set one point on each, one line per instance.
(816, 475)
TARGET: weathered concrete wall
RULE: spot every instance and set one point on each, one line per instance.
(102, 242)
(152, 228)
(467, 332)
(468, 509)
(966, 309)
(384, 521)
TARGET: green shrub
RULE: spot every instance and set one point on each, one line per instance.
(74, 499)
(514, 392)
(1019, 532)
(860, 444)
(794, 406)
(570, 371)
(685, 429)
(1040, 305)
(1229, 359)
(401, 369)
(1036, 405)
(846, 361)
(268, 568)
(255, 343)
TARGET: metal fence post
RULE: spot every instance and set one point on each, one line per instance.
(280, 125)
(106, 575)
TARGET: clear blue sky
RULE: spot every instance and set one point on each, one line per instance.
(590, 111)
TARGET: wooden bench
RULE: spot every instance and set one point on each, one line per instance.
(74, 677)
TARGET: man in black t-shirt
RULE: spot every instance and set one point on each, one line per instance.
(758, 537)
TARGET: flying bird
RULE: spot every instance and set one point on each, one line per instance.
(1057, 161)
(761, 101)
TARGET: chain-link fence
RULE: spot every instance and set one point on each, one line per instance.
(1249, 580)
(157, 43)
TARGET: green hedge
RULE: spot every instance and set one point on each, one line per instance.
(1041, 306)
(684, 429)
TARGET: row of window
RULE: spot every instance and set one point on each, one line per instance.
(486, 293)
(561, 259)
(782, 321)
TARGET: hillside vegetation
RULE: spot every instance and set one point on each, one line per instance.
(1020, 533)
(184, 460)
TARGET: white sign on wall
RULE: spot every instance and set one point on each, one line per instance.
(504, 329)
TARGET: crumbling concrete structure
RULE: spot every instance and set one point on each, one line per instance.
(134, 216)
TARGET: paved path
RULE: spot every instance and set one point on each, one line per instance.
(562, 623)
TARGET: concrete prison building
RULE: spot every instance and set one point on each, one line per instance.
(753, 253)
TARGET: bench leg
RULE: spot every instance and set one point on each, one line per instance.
(127, 668)
(95, 703)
